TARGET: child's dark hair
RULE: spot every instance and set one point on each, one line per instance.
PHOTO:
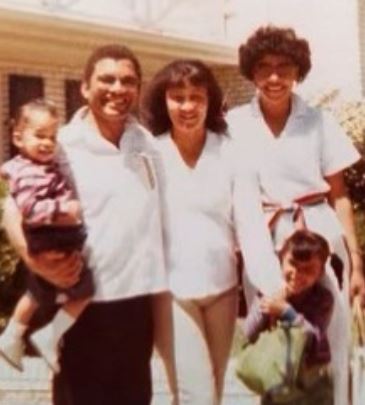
(304, 245)
(22, 116)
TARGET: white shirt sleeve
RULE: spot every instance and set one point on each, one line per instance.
(338, 151)
(261, 263)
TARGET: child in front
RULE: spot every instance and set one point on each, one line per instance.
(51, 220)
(302, 301)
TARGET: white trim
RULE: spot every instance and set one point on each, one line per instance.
(30, 36)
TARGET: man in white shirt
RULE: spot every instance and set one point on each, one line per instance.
(105, 357)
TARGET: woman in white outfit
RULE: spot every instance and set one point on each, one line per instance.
(209, 198)
(301, 153)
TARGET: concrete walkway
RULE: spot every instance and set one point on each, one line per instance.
(32, 387)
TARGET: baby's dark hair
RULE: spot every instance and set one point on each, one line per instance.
(304, 245)
(22, 117)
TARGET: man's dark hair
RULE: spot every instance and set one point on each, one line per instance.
(111, 51)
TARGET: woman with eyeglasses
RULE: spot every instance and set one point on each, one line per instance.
(301, 154)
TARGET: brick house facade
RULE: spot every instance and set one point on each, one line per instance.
(361, 25)
(44, 57)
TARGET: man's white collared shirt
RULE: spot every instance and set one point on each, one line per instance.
(119, 195)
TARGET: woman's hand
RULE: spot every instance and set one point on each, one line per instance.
(357, 282)
(340, 201)
(58, 268)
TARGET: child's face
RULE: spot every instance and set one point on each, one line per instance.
(37, 139)
(300, 275)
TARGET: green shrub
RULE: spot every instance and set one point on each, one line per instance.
(9, 289)
(351, 116)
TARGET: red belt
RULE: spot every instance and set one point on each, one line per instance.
(295, 207)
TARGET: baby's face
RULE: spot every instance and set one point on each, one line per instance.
(37, 139)
(300, 275)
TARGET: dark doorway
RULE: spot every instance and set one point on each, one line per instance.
(74, 99)
(21, 90)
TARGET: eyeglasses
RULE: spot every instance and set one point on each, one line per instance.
(265, 70)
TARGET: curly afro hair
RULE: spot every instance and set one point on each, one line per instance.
(278, 41)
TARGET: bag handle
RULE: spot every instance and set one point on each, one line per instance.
(288, 377)
(288, 362)
(359, 319)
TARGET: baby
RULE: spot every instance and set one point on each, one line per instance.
(51, 220)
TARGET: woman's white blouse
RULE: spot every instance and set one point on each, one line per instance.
(204, 209)
(311, 147)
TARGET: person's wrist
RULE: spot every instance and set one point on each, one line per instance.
(22, 251)
(356, 255)
(288, 314)
(30, 263)
(356, 263)
(357, 272)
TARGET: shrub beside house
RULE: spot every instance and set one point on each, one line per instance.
(351, 116)
(9, 282)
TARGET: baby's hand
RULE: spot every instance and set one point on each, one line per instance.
(73, 209)
(69, 213)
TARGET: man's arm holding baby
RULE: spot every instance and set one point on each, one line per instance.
(42, 196)
(58, 268)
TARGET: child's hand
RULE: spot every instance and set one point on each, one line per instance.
(275, 305)
(74, 209)
(69, 213)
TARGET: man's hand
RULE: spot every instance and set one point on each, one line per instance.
(58, 268)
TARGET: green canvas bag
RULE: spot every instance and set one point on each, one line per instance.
(270, 366)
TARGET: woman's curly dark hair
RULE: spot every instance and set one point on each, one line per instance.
(278, 41)
(154, 111)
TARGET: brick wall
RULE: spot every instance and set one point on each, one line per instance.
(236, 89)
(53, 89)
(361, 21)
(2, 116)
